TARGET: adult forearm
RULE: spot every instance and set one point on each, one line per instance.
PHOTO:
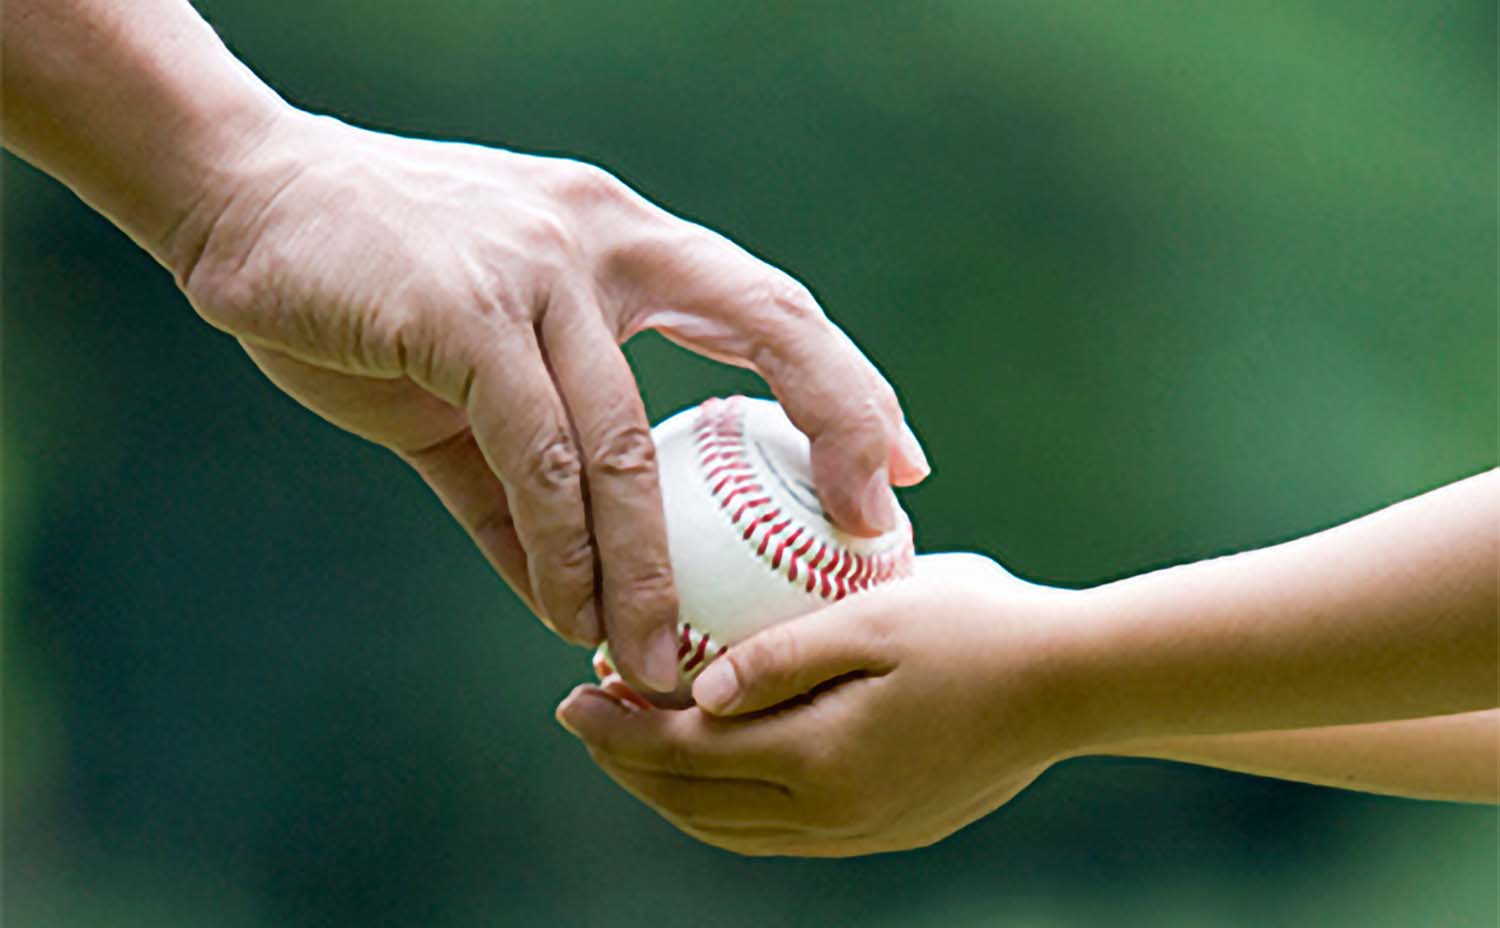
(1453, 757)
(1391, 616)
(138, 107)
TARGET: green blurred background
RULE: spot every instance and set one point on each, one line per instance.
(1156, 280)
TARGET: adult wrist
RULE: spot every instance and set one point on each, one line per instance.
(133, 108)
(203, 111)
(239, 146)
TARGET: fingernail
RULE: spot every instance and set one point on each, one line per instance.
(602, 665)
(877, 504)
(911, 450)
(625, 697)
(716, 686)
(586, 624)
(562, 720)
(661, 660)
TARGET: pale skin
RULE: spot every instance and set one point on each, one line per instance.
(1364, 656)
(462, 306)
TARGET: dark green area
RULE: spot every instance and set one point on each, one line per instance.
(1156, 280)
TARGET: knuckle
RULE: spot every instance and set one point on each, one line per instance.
(757, 664)
(487, 283)
(867, 420)
(585, 184)
(790, 299)
(869, 415)
(546, 234)
(573, 557)
(562, 579)
(886, 400)
(776, 655)
(649, 591)
(554, 465)
(625, 452)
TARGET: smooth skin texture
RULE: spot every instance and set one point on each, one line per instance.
(460, 305)
(1364, 656)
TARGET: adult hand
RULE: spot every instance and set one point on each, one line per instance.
(464, 306)
(886, 721)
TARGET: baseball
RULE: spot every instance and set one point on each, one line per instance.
(750, 545)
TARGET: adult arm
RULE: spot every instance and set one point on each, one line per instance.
(460, 305)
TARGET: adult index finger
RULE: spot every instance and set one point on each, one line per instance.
(638, 603)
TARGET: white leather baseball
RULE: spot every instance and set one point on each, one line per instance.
(749, 543)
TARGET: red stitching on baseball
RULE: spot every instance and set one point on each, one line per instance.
(698, 654)
(742, 488)
(729, 478)
(826, 576)
(749, 504)
(818, 555)
(775, 530)
(829, 571)
(760, 520)
(842, 579)
(781, 547)
(862, 576)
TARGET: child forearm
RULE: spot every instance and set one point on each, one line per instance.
(1453, 757)
(1390, 616)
